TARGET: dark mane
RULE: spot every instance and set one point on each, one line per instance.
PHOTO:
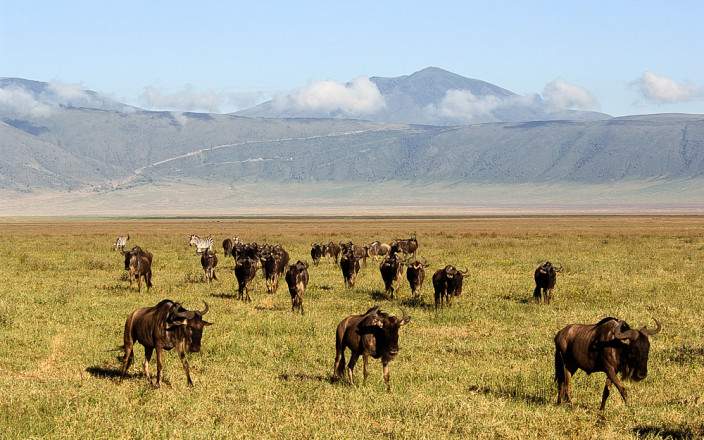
(607, 319)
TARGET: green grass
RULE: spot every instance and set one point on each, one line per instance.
(481, 369)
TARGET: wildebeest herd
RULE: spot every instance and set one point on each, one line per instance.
(610, 346)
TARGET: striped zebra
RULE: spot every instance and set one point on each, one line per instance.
(121, 242)
(201, 244)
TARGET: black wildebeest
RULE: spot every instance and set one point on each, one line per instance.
(274, 261)
(416, 275)
(408, 245)
(316, 252)
(545, 277)
(447, 282)
(245, 271)
(349, 264)
(332, 250)
(165, 326)
(374, 334)
(297, 280)
(391, 272)
(209, 260)
(610, 346)
(139, 264)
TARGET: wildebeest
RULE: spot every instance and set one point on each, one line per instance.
(139, 264)
(391, 272)
(297, 280)
(274, 261)
(378, 249)
(349, 264)
(332, 250)
(228, 245)
(375, 334)
(447, 282)
(201, 244)
(408, 245)
(245, 271)
(415, 273)
(545, 277)
(610, 346)
(316, 252)
(121, 242)
(165, 326)
(209, 260)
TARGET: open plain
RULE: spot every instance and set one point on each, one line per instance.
(480, 369)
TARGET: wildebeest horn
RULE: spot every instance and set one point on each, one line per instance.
(405, 317)
(187, 314)
(627, 335)
(649, 332)
(464, 272)
(205, 310)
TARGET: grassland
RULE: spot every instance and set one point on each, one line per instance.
(481, 369)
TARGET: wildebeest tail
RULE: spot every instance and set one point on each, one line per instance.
(536, 292)
(559, 367)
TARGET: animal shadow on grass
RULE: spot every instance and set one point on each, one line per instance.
(272, 308)
(115, 288)
(416, 302)
(686, 355)
(304, 377)
(325, 287)
(509, 393)
(106, 372)
(378, 295)
(518, 298)
(672, 432)
(224, 295)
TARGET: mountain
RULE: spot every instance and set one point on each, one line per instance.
(432, 96)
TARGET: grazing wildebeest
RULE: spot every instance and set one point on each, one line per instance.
(228, 245)
(374, 334)
(274, 260)
(545, 277)
(407, 246)
(201, 244)
(447, 282)
(165, 326)
(209, 260)
(121, 242)
(378, 249)
(297, 280)
(139, 264)
(610, 346)
(349, 264)
(332, 250)
(245, 271)
(416, 275)
(391, 272)
(316, 252)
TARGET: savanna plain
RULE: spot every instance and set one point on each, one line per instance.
(482, 368)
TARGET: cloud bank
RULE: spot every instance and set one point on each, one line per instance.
(20, 102)
(559, 94)
(189, 98)
(358, 97)
(662, 89)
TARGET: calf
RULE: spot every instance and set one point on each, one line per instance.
(165, 326)
(610, 346)
(447, 282)
(416, 275)
(245, 271)
(374, 334)
(209, 260)
(297, 280)
(545, 277)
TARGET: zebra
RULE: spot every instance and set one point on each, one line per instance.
(121, 242)
(201, 244)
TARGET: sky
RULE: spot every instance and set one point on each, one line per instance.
(621, 57)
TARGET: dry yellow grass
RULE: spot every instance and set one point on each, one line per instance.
(481, 369)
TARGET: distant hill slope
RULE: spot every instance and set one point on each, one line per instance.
(437, 97)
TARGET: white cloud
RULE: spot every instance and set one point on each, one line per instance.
(360, 96)
(559, 94)
(662, 89)
(464, 105)
(191, 99)
(20, 102)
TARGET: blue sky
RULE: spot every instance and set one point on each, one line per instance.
(121, 48)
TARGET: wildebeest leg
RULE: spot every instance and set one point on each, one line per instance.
(611, 374)
(537, 294)
(126, 360)
(339, 368)
(214, 276)
(159, 365)
(387, 375)
(186, 368)
(350, 367)
(147, 357)
(605, 394)
(139, 283)
(548, 293)
(365, 362)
